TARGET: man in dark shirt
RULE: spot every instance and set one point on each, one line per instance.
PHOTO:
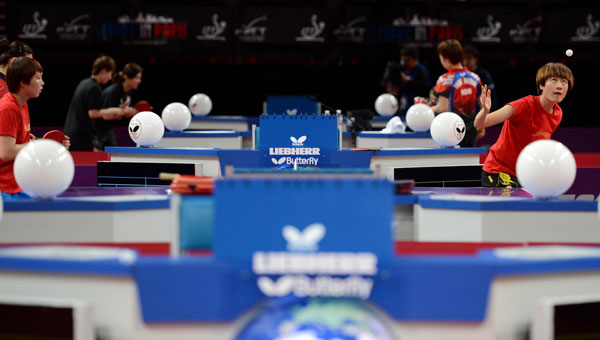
(471, 61)
(407, 78)
(86, 105)
(118, 94)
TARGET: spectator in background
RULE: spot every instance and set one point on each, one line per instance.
(8, 52)
(118, 94)
(407, 78)
(86, 105)
(471, 61)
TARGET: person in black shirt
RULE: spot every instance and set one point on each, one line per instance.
(118, 94)
(407, 78)
(86, 105)
(471, 61)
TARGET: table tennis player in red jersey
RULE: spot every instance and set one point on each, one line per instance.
(525, 120)
(24, 80)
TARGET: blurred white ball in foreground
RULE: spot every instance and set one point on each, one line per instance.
(448, 129)
(146, 128)
(569, 52)
(44, 168)
(200, 104)
(176, 116)
(386, 105)
(419, 117)
(546, 168)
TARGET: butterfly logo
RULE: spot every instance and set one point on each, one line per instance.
(291, 112)
(278, 162)
(135, 129)
(306, 240)
(280, 287)
(460, 129)
(299, 141)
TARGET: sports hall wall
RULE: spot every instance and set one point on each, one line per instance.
(238, 52)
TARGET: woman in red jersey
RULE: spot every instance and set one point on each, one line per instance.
(525, 120)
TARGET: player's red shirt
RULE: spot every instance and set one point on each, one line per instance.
(3, 87)
(463, 93)
(529, 123)
(14, 121)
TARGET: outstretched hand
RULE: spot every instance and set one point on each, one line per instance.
(485, 100)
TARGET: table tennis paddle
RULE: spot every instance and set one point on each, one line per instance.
(56, 135)
(403, 186)
(143, 105)
(189, 184)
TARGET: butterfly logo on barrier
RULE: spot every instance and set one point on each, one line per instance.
(280, 287)
(298, 142)
(306, 240)
(291, 112)
(278, 161)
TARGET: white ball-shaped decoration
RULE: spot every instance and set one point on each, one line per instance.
(146, 128)
(176, 116)
(44, 168)
(419, 117)
(546, 168)
(386, 105)
(200, 104)
(448, 129)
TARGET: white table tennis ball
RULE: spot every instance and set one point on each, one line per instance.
(44, 168)
(176, 116)
(546, 168)
(146, 128)
(386, 105)
(447, 129)
(200, 104)
(419, 117)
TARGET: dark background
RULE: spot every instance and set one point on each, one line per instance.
(238, 76)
